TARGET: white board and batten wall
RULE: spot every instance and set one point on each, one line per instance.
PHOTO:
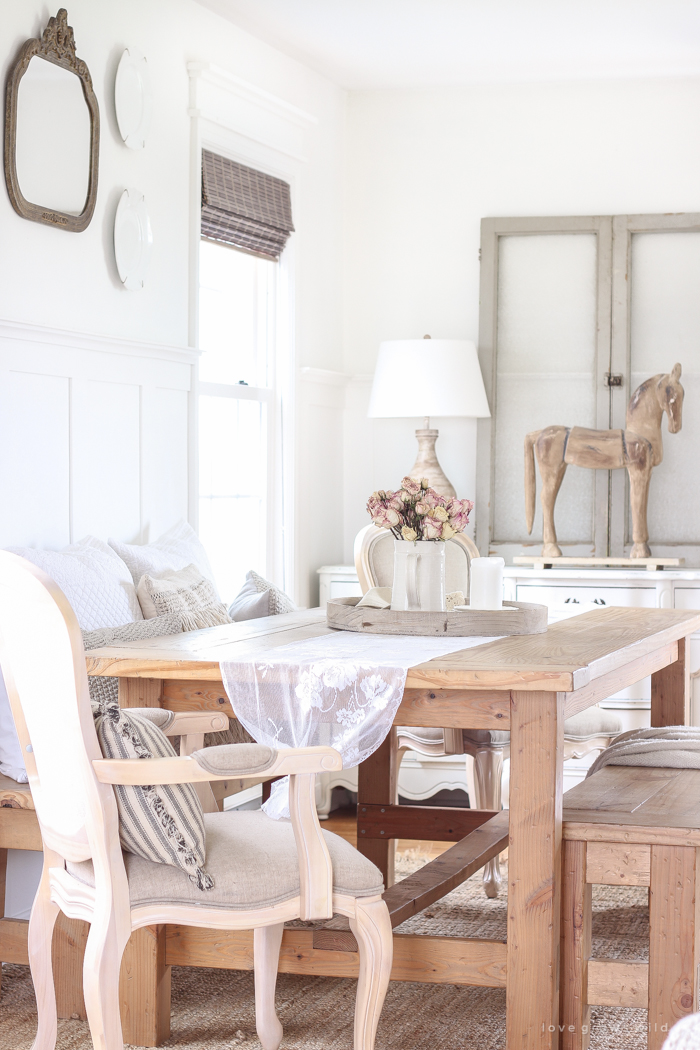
(94, 433)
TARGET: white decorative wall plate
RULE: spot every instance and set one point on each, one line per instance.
(133, 100)
(133, 239)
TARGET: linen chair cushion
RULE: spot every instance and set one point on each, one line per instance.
(253, 861)
(162, 823)
(186, 592)
(175, 549)
(585, 726)
(258, 597)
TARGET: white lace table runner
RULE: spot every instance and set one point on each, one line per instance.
(341, 689)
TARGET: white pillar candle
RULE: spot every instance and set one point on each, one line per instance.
(486, 586)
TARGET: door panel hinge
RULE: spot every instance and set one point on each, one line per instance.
(613, 379)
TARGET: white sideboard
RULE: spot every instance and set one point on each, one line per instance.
(640, 588)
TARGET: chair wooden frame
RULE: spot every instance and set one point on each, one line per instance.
(28, 596)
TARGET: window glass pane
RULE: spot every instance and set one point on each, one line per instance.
(665, 328)
(233, 488)
(545, 372)
(234, 298)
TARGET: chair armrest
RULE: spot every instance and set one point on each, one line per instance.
(186, 722)
(182, 723)
(189, 769)
(252, 761)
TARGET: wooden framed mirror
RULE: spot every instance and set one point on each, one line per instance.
(52, 131)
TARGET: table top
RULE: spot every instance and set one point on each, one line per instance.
(571, 654)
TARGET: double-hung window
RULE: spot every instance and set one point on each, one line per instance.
(241, 392)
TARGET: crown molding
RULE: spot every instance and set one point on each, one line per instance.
(222, 98)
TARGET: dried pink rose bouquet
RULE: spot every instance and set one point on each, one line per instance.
(417, 512)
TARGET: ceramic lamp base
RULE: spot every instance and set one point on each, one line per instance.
(427, 465)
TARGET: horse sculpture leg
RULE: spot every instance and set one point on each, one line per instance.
(639, 476)
(549, 448)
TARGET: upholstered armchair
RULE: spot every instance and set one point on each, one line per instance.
(590, 731)
(264, 872)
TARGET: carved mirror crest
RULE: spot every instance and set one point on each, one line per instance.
(52, 131)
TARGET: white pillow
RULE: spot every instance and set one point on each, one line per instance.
(258, 597)
(175, 549)
(11, 757)
(93, 578)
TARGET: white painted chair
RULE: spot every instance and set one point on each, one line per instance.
(288, 871)
(590, 731)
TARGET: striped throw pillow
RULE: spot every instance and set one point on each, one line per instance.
(163, 823)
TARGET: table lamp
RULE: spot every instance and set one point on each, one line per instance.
(428, 377)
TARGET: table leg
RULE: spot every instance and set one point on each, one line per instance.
(144, 988)
(140, 692)
(67, 955)
(534, 869)
(377, 783)
(670, 690)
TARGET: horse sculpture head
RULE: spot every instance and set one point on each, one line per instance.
(662, 393)
(670, 394)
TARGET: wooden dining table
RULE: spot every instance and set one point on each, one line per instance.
(525, 684)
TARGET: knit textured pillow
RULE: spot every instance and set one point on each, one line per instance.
(186, 592)
(103, 688)
(163, 823)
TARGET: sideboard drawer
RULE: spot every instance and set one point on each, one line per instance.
(558, 594)
(687, 597)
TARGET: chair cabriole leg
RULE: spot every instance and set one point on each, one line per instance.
(371, 926)
(41, 924)
(266, 952)
(103, 955)
(488, 774)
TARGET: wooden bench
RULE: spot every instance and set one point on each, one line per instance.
(632, 826)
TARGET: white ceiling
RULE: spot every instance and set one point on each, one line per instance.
(421, 43)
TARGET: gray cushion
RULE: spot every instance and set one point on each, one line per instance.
(420, 735)
(253, 861)
(258, 597)
(231, 760)
(593, 722)
(160, 716)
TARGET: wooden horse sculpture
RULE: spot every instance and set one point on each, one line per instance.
(638, 448)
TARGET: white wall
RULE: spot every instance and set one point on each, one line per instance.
(72, 435)
(425, 166)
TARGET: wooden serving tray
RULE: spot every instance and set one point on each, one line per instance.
(521, 618)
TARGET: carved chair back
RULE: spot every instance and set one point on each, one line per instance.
(43, 663)
(374, 559)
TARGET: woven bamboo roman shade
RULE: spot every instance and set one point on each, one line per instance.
(243, 207)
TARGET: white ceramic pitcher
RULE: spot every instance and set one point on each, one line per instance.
(419, 576)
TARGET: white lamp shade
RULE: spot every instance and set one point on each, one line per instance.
(428, 377)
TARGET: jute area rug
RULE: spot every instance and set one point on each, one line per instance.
(214, 1009)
